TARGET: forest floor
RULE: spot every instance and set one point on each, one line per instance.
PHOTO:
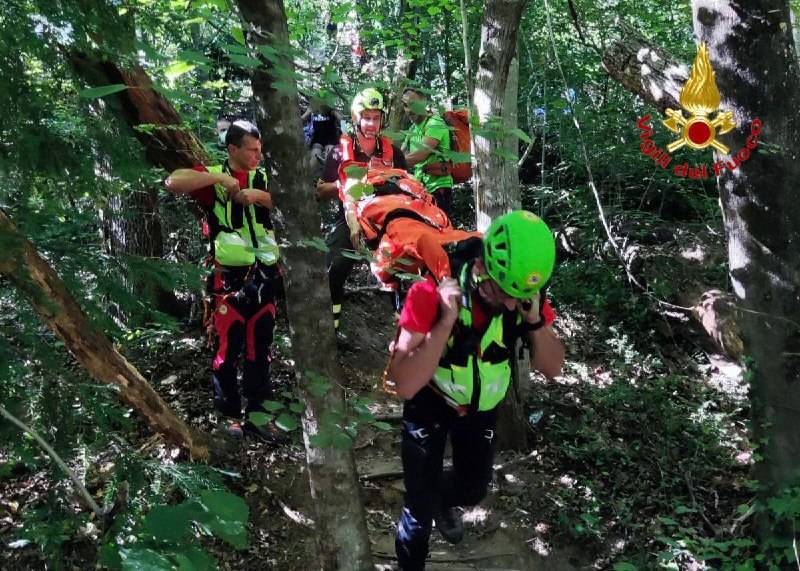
(642, 433)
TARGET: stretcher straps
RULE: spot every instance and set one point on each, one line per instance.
(402, 213)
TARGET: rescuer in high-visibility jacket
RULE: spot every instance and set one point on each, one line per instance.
(366, 147)
(451, 362)
(244, 277)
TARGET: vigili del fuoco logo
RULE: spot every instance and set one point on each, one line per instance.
(700, 99)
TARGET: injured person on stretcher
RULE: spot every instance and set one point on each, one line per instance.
(398, 221)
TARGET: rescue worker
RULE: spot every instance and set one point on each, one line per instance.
(365, 147)
(426, 146)
(452, 363)
(242, 284)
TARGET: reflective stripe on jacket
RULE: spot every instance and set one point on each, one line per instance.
(475, 373)
(241, 234)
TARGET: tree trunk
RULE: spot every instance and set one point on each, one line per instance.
(37, 281)
(168, 144)
(468, 82)
(645, 69)
(753, 53)
(498, 47)
(341, 531)
(131, 224)
(405, 67)
(512, 428)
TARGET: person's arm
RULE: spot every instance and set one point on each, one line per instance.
(248, 196)
(188, 180)
(416, 355)
(418, 156)
(399, 159)
(547, 350)
(351, 213)
(327, 186)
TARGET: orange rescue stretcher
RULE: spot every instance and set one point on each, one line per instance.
(400, 223)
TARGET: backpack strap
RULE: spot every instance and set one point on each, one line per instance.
(262, 213)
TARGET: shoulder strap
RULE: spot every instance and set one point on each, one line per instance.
(348, 148)
(387, 149)
(236, 209)
(258, 179)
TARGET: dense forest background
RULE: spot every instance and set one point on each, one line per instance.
(646, 454)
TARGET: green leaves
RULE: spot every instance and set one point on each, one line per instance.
(287, 422)
(167, 534)
(355, 171)
(169, 523)
(102, 91)
(317, 384)
(520, 134)
(226, 516)
(143, 559)
(238, 35)
(272, 406)
(244, 61)
(260, 418)
(316, 243)
(186, 559)
(177, 69)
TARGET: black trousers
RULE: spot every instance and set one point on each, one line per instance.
(244, 321)
(339, 266)
(443, 198)
(427, 422)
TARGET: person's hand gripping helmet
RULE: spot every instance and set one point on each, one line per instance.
(519, 253)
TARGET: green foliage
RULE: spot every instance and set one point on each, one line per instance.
(67, 156)
(103, 91)
(50, 529)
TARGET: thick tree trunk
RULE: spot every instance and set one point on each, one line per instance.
(341, 531)
(754, 57)
(30, 273)
(495, 100)
(498, 47)
(753, 53)
(513, 429)
(645, 69)
(131, 224)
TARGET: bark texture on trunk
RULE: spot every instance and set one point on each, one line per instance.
(168, 143)
(131, 223)
(512, 426)
(645, 69)
(341, 532)
(501, 20)
(753, 54)
(49, 297)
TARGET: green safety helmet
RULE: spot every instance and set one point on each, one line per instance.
(369, 98)
(519, 253)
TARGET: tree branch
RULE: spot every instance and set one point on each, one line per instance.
(645, 69)
(99, 512)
